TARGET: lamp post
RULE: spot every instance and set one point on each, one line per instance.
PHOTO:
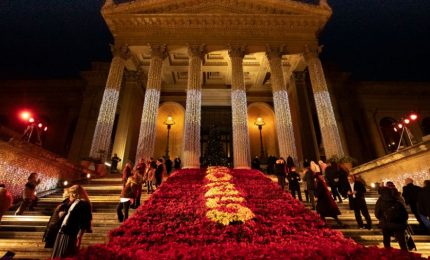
(169, 122)
(259, 122)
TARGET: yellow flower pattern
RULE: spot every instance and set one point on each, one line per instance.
(222, 198)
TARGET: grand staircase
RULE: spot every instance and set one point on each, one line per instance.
(23, 234)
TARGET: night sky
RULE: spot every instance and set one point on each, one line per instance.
(373, 39)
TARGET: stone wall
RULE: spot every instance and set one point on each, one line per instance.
(19, 159)
(411, 162)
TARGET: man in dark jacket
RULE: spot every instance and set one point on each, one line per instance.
(332, 176)
(410, 194)
(294, 183)
(393, 217)
(357, 202)
(280, 172)
(309, 178)
(424, 204)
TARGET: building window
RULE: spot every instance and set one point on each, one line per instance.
(390, 135)
(425, 125)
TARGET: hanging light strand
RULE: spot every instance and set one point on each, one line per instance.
(326, 118)
(241, 146)
(193, 112)
(148, 129)
(103, 131)
(284, 124)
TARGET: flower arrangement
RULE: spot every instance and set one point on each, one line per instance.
(173, 224)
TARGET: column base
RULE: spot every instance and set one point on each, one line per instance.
(242, 168)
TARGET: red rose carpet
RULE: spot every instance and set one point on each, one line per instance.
(218, 213)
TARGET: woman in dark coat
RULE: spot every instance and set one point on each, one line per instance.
(76, 222)
(326, 206)
(54, 223)
(280, 172)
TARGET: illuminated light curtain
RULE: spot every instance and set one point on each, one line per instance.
(148, 122)
(102, 134)
(329, 129)
(191, 153)
(284, 123)
(241, 146)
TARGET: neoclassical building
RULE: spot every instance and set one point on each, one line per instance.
(204, 63)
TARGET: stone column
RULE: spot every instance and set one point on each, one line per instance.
(102, 135)
(284, 124)
(329, 129)
(241, 147)
(191, 145)
(145, 148)
(130, 97)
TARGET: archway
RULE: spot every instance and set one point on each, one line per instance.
(177, 112)
(270, 147)
(390, 135)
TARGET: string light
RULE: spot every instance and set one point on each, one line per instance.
(147, 133)
(284, 124)
(105, 120)
(329, 129)
(193, 112)
(241, 146)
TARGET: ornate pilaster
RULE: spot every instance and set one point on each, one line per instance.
(284, 123)
(191, 146)
(329, 129)
(146, 142)
(102, 134)
(241, 146)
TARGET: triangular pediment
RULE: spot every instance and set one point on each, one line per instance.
(269, 7)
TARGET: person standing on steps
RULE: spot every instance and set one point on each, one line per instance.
(294, 183)
(128, 195)
(326, 206)
(76, 222)
(357, 202)
(54, 223)
(6, 200)
(392, 216)
(280, 172)
(29, 198)
(114, 163)
(424, 204)
(309, 178)
(127, 171)
(332, 177)
(159, 172)
(177, 163)
(410, 194)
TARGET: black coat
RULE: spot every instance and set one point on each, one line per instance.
(358, 201)
(310, 180)
(326, 206)
(293, 180)
(280, 170)
(410, 194)
(386, 200)
(332, 175)
(424, 201)
(79, 219)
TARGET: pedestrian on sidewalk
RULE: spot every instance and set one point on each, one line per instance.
(357, 202)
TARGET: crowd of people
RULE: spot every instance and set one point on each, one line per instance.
(327, 183)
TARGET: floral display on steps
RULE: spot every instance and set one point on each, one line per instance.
(173, 224)
(224, 201)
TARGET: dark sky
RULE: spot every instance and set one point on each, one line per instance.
(373, 39)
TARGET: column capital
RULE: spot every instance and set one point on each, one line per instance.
(312, 52)
(196, 50)
(237, 51)
(158, 50)
(121, 51)
(275, 52)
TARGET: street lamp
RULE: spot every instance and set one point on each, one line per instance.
(259, 122)
(169, 122)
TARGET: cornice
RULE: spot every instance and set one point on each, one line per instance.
(126, 22)
(251, 6)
